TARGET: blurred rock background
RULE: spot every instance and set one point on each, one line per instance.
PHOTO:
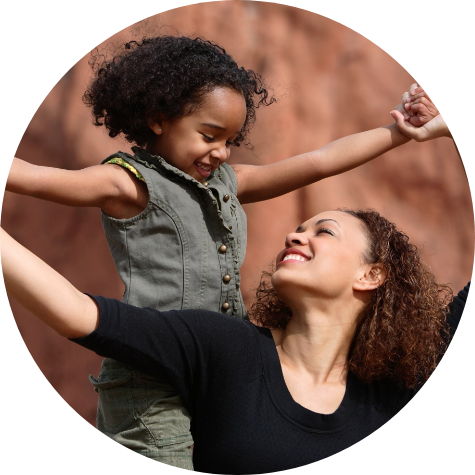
(329, 82)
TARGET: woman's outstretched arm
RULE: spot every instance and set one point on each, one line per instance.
(44, 292)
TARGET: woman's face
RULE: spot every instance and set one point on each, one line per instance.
(323, 258)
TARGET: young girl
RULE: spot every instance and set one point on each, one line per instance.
(172, 212)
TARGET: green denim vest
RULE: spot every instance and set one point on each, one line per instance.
(184, 250)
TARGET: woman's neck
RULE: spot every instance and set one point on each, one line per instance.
(317, 341)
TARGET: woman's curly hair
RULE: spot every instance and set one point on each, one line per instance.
(402, 332)
(166, 76)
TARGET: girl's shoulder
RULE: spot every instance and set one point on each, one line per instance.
(117, 160)
(225, 173)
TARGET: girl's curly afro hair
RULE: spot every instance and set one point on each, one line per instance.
(166, 76)
(402, 332)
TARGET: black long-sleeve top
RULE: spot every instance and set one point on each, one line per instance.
(228, 373)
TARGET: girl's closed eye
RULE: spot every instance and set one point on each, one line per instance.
(208, 138)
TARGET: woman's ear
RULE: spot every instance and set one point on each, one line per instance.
(372, 276)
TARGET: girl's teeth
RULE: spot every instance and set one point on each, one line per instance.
(207, 169)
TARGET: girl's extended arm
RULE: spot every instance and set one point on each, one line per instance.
(109, 187)
(258, 183)
(44, 292)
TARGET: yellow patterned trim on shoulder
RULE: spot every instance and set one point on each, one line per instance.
(123, 163)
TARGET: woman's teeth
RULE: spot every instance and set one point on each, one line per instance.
(293, 257)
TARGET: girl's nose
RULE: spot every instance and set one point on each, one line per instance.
(295, 239)
(220, 152)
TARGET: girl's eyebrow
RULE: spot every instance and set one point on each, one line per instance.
(215, 126)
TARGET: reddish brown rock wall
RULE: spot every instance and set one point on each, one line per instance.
(329, 82)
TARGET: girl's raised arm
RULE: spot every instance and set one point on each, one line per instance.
(263, 183)
(44, 292)
(109, 187)
(258, 183)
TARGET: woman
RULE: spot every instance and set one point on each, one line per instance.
(367, 328)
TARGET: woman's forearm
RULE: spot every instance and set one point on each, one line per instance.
(44, 292)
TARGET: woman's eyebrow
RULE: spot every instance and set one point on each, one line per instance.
(320, 221)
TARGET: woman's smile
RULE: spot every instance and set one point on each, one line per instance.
(292, 255)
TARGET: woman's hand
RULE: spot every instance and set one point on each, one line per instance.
(418, 118)
(433, 129)
(418, 107)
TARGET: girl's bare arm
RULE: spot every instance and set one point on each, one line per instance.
(109, 187)
(44, 292)
(259, 183)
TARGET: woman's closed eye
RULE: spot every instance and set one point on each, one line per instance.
(324, 230)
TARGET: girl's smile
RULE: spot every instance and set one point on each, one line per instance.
(201, 141)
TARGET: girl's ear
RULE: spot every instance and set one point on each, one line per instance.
(155, 125)
(372, 276)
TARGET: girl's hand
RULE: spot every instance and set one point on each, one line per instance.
(434, 128)
(418, 107)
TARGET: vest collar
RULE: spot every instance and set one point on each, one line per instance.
(141, 155)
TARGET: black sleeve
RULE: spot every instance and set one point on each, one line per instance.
(454, 315)
(456, 308)
(190, 349)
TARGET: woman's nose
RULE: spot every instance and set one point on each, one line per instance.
(295, 239)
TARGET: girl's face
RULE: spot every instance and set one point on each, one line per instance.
(323, 258)
(199, 143)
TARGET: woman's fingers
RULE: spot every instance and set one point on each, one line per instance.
(421, 110)
(415, 107)
(402, 111)
(401, 122)
(415, 95)
(415, 88)
(418, 106)
(405, 97)
(422, 100)
(420, 95)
